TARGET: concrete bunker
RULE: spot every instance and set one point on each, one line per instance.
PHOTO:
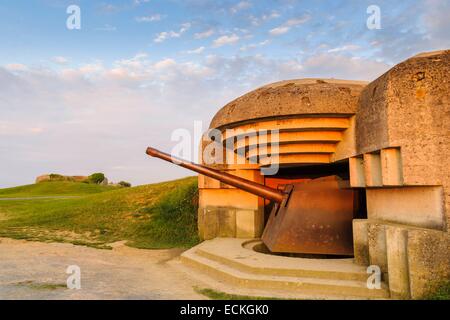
(389, 139)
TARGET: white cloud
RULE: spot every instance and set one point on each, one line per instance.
(16, 67)
(74, 121)
(18, 129)
(437, 23)
(164, 64)
(255, 45)
(272, 15)
(139, 2)
(298, 21)
(257, 21)
(162, 36)
(150, 18)
(339, 66)
(243, 5)
(226, 40)
(36, 130)
(205, 34)
(196, 51)
(185, 27)
(137, 61)
(91, 68)
(349, 47)
(286, 27)
(60, 60)
(279, 30)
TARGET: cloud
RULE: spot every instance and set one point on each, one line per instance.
(60, 60)
(98, 117)
(349, 47)
(163, 36)
(255, 45)
(257, 21)
(12, 129)
(196, 51)
(16, 67)
(205, 34)
(286, 27)
(164, 64)
(138, 61)
(226, 40)
(279, 31)
(91, 68)
(139, 2)
(344, 67)
(150, 18)
(298, 21)
(421, 26)
(436, 22)
(243, 5)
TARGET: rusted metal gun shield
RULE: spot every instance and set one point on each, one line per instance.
(317, 219)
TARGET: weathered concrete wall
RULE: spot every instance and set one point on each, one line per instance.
(414, 261)
(428, 260)
(346, 148)
(361, 242)
(409, 108)
(292, 97)
(371, 117)
(225, 211)
(397, 260)
(415, 206)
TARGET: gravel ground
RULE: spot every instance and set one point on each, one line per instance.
(36, 270)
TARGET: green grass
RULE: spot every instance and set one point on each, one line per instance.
(54, 188)
(162, 215)
(218, 295)
(42, 286)
(442, 292)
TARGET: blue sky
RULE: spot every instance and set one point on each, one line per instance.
(115, 29)
(79, 101)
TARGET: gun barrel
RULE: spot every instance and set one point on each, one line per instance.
(244, 184)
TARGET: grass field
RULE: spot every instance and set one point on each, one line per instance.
(219, 295)
(162, 215)
(442, 293)
(54, 189)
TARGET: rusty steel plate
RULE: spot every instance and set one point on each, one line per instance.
(315, 219)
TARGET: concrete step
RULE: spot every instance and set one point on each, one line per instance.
(239, 254)
(300, 270)
(313, 286)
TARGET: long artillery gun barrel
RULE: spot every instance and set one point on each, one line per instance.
(243, 184)
(313, 217)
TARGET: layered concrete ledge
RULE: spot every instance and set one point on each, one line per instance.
(415, 260)
(231, 260)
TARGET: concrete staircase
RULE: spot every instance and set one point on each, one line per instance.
(233, 261)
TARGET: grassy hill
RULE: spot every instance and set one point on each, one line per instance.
(57, 188)
(159, 215)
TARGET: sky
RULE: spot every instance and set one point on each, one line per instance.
(78, 101)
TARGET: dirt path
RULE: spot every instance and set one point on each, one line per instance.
(35, 270)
